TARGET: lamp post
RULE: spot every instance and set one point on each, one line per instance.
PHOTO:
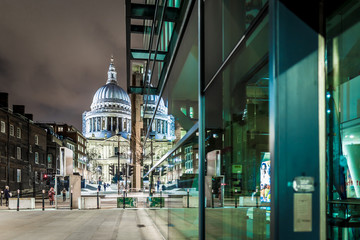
(118, 167)
(152, 163)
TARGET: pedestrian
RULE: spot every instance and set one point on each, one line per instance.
(64, 194)
(51, 196)
(105, 187)
(158, 184)
(99, 187)
(7, 195)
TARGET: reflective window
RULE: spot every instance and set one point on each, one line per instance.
(343, 121)
(238, 164)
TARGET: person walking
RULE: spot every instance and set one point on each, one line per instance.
(158, 184)
(51, 196)
(104, 187)
(7, 195)
(64, 194)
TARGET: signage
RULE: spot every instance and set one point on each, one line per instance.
(302, 212)
(303, 184)
(236, 168)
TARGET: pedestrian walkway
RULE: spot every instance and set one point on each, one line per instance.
(76, 224)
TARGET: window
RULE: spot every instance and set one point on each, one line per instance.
(18, 132)
(3, 127)
(49, 158)
(18, 175)
(60, 129)
(36, 157)
(36, 175)
(11, 130)
(18, 153)
(36, 140)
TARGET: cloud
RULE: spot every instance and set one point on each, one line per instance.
(54, 55)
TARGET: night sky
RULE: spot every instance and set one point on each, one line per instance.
(54, 54)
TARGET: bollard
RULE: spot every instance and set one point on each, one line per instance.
(235, 198)
(160, 198)
(43, 200)
(124, 200)
(188, 196)
(212, 198)
(71, 196)
(97, 196)
(1, 197)
(18, 200)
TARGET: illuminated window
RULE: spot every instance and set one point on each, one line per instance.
(18, 132)
(36, 157)
(18, 152)
(183, 109)
(36, 177)
(18, 175)
(49, 158)
(11, 130)
(191, 112)
(2, 126)
(60, 129)
(36, 140)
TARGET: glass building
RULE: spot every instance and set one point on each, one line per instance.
(266, 106)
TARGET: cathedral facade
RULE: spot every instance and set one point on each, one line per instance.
(107, 126)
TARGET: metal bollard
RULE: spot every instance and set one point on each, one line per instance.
(97, 195)
(188, 196)
(124, 200)
(160, 198)
(71, 198)
(212, 198)
(235, 198)
(1, 197)
(18, 200)
(43, 200)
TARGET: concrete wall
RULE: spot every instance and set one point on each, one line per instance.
(24, 203)
(193, 202)
(88, 202)
(75, 187)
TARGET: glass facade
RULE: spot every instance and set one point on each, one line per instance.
(342, 98)
(281, 104)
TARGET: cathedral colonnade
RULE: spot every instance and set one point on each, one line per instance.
(106, 123)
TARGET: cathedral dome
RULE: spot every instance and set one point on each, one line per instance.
(109, 94)
(152, 99)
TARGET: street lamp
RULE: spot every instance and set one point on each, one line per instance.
(118, 167)
(152, 135)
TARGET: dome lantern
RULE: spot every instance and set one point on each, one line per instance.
(111, 72)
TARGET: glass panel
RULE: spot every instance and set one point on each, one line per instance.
(230, 20)
(343, 121)
(237, 17)
(237, 182)
(174, 182)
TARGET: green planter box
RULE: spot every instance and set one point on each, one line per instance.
(129, 202)
(156, 201)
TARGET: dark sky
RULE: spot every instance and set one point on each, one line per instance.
(54, 54)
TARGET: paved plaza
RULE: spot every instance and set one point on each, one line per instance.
(77, 224)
